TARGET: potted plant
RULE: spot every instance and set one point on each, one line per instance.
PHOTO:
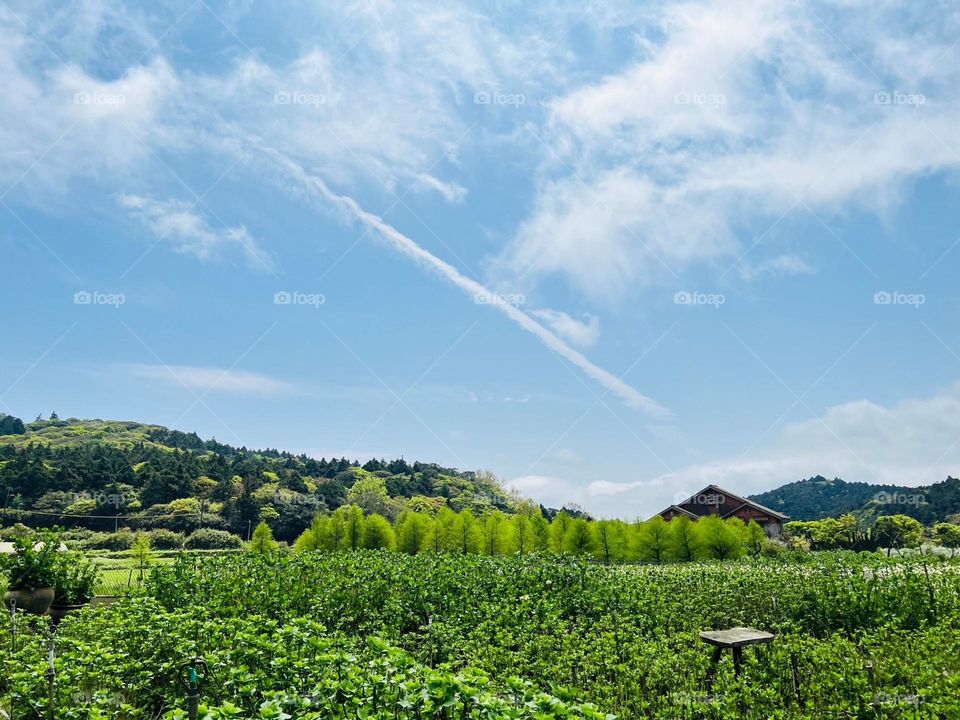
(73, 584)
(31, 571)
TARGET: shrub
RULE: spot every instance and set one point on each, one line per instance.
(9, 534)
(75, 579)
(211, 539)
(33, 563)
(120, 540)
(163, 539)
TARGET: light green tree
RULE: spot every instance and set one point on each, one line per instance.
(684, 539)
(333, 540)
(755, 537)
(262, 541)
(315, 537)
(719, 540)
(540, 532)
(369, 493)
(578, 539)
(346, 528)
(440, 531)
(609, 540)
(412, 529)
(651, 541)
(948, 535)
(898, 531)
(493, 537)
(378, 533)
(142, 553)
(558, 530)
(465, 534)
(520, 534)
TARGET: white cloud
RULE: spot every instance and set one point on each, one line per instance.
(213, 379)
(736, 113)
(550, 491)
(60, 124)
(779, 266)
(179, 224)
(583, 333)
(913, 442)
(567, 456)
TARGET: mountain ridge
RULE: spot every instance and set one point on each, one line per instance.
(818, 497)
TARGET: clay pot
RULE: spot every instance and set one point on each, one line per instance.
(59, 612)
(35, 602)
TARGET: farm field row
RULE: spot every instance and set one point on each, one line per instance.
(375, 634)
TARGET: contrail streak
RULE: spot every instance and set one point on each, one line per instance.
(630, 395)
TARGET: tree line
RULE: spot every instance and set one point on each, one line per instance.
(888, 531)
(153, 478)
(528, 531)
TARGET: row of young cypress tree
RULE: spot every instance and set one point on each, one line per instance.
(496, 533)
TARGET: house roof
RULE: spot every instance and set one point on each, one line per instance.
(684, 511)
(726, 493)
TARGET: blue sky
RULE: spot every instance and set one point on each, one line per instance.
(611, 253)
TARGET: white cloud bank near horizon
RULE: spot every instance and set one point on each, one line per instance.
(913, 442)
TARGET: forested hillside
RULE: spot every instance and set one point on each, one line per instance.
(86, 473)
(817, 497)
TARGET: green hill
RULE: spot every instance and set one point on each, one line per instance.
(817, 497)
(86, 473)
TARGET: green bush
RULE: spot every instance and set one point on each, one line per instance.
(120, 540)
(8, 534)
(163, 539)
(210, 539)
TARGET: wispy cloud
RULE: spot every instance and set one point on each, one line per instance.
(212, 379)
(179, 224)
(733, 115)
(779, 266)
(583, 332)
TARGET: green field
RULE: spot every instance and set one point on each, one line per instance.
(120, 574)
(384, 635)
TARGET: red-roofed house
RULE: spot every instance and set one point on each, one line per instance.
(713, 500)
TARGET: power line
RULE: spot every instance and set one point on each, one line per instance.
(97, 517)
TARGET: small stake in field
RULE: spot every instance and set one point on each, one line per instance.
(51, 670)
(735, 639)
(192, 675)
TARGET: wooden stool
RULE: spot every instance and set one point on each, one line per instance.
(735, 639)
